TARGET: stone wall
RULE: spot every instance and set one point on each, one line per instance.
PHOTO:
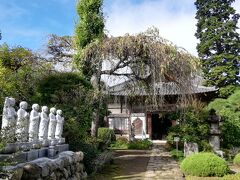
(68, 165)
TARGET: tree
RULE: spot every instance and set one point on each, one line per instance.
(90, 28)
(219, 43)
(20, 69)
(144, 59)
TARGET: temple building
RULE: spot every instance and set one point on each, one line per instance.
(149, 121)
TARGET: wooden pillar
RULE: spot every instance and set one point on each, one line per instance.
(149, 125)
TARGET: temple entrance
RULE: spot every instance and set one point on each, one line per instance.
(160, 126)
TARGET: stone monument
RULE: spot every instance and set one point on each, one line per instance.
(22, 122)
(59, 127)
(190, 148)
(43, 126)
(215, 132)
(33, 133)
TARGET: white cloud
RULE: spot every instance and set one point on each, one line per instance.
(175, 19)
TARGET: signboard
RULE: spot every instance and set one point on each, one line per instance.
(176, 139)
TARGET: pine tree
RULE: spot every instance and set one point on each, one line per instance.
(219, 46)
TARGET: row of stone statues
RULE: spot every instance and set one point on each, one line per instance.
(36, 127)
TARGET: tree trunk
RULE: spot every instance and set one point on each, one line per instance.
(95, 120)
(96, 83)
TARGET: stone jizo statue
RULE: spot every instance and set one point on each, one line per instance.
(34, 123)
(52, 124)
(22, 122)
(9, 116)
(43, 126)
(59, 126)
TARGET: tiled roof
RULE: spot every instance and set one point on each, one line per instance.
(169, 88)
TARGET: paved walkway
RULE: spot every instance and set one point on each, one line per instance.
(161, 165)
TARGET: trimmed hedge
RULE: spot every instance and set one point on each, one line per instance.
(204, 165)
(236, 159)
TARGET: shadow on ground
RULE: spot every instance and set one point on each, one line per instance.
(128, 164)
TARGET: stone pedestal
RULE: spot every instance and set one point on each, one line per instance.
(52, 152)
(43, 152)
(10, 148)
(25, 146)
(32, 155)
(62, 148)
(214, 142)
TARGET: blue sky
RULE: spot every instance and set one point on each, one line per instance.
(29, 22)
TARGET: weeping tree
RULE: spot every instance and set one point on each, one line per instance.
(146, 59)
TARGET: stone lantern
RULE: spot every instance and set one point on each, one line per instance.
(214, 139)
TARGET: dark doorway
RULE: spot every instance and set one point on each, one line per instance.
(160, 126)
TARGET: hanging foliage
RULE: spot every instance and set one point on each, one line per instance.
(146, 59)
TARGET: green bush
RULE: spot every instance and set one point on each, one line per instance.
(204, 164)
(236, 159)
(120, 143)
(193, 127)
(140, 144)
(90, 153)
(106, 137)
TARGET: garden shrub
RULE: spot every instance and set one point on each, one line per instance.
(106, 136)
(204, 164)
(140, 144)
(193, 127)
(120, 143)
(236, 159)
(90, 154)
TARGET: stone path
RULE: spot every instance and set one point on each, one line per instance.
(161, 165)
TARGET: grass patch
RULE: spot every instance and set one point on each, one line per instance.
(177, 155)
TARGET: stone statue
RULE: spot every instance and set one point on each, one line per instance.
(132, 132)
(52, 124)
(22, 122)
(9, 118)
(59, 127)
(34, 123)
(43, 126)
